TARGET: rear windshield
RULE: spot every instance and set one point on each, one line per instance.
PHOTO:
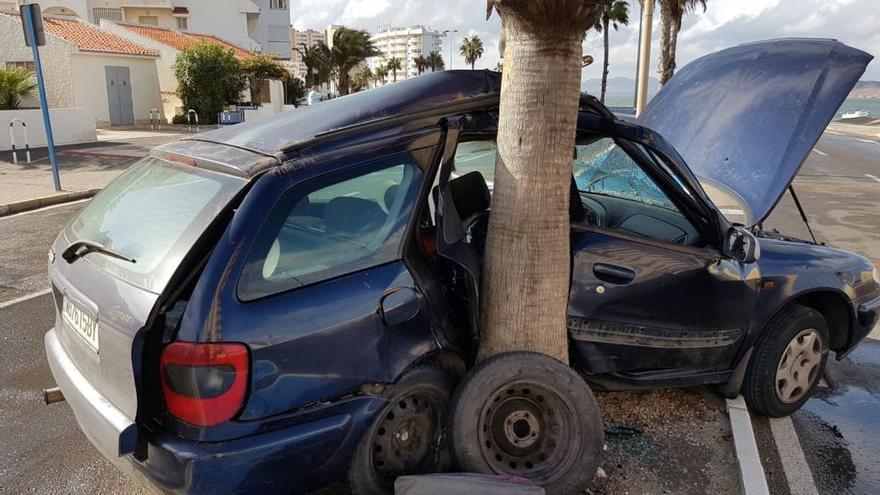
(154, 212)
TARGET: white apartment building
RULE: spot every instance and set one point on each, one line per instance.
(406, 44)
(257, 25)
(308, 37)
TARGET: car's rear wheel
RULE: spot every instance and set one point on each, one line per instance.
(788, 363)
(407, 436)
(529, 415)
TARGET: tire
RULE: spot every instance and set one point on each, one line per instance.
(528, 415)
(770, 387)
(408, 435)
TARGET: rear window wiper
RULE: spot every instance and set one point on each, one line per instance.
(81, 248)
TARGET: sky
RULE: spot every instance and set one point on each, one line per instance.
(725, 23)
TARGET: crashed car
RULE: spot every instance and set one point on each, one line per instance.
(283, 304)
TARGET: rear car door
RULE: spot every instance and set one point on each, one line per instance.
(319, 290)
(651, 297)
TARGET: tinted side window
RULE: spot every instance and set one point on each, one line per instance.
(476, 155)
(334, 225)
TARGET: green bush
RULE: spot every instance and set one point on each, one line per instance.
(208, 77)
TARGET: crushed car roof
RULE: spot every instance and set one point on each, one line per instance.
(424, 93)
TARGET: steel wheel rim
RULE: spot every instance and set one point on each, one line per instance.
(529, 430)
(406, 436)
(799, 366)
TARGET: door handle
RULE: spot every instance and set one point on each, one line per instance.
(613, 274)
(399, 305)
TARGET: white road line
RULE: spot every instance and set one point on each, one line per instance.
(754, 481)
(874, 177)
(833, 132)
(25, 298)
(797, 471)
(870, 141)
(819, 152)
(60, 205)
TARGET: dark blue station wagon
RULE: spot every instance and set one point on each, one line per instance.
(267, 307)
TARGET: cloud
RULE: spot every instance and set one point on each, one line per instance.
(725, 23)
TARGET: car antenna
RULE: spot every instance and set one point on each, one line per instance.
(800, 208)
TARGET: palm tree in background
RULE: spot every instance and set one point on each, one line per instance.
(435, 61)
(471, 49)
(671, 13)
(316, 58)
(351, 48)
(614, 13)
(381, 74)
(422, 64)
(361, 78)
(15, 85)
(394, 65)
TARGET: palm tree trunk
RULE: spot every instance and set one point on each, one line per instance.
(473, 64)
(673, 45)
(667, 64)
(527, 256)
(605, 25)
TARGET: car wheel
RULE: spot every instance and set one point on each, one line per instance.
(407, 436)
(788, 362)
(528, 415)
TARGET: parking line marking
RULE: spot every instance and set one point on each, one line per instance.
(870, 141)
(874, 177)
(797, 471)
(25, 298)
(819, 152)
(50, 207)
(754, 481)
(833, 132)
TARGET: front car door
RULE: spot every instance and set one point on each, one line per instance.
(653, 300)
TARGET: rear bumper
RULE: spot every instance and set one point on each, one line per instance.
(112, 432)
(294, 459)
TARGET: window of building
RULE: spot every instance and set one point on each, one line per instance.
(25, 66)
(148, 20)
(182, 23)
(114, 15)
(278, 4)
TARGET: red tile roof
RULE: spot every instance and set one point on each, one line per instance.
(90, 38)
(182, 40)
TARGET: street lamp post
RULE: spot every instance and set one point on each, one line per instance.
(644, 56)
(449, 39)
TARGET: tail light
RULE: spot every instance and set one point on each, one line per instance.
(204, 383)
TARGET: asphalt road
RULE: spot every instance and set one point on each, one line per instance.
(43, 451)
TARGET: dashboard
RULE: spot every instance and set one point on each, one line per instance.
(638, 218)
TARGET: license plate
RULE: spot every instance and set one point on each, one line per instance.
(81, 323)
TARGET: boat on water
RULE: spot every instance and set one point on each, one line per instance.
(854, 115)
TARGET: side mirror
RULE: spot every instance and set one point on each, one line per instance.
(742, 245)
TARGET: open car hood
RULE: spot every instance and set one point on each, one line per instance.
(747, 117)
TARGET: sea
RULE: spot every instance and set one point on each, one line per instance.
(870, 105)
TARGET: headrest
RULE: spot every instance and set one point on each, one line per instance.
(470, 194)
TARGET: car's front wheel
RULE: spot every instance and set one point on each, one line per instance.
(788, 363)
(407, 436)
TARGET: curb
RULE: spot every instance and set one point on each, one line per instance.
(754, 482)
(35, 203)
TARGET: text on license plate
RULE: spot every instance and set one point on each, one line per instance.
(82, 323)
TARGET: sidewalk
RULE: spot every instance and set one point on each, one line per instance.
(84, 169)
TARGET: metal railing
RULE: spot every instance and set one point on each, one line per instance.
(189, 115)
(154, 112)
(27, 147)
